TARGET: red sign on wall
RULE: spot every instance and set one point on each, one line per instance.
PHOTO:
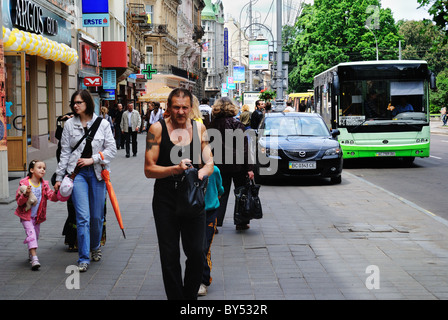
(93, 81)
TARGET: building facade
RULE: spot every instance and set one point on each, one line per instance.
(41, 55)
(213, 43)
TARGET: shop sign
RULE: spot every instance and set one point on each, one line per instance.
(109, 94)
(89, 56)
(95, 20)
(28, 16)
(93, 81)
(95, 13)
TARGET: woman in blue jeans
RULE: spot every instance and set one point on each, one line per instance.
(89, 189)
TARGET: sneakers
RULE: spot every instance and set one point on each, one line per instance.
(35, 265)
(202, 290)
(96, 255)
(82, 267)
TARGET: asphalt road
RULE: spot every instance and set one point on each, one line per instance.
(423, 183)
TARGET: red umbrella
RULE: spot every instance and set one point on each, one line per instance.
(113, 198)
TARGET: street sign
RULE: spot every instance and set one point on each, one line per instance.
(93, 81)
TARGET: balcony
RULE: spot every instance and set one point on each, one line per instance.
(137, 12)
(154, 30)
(198, 33)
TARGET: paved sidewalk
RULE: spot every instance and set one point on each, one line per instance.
(315, 241)
(437, 127)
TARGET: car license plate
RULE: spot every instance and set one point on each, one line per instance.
(296, 165)
(385, 154)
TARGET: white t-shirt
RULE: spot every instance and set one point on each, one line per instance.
(37, 191)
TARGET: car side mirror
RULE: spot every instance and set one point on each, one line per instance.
(335, 133)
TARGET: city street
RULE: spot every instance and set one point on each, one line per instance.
(365, 239)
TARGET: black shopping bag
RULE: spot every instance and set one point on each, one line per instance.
(247, 202)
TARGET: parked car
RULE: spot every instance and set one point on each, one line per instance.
(297, 144)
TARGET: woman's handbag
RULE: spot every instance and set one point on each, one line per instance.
(191, 191)
(247, 202)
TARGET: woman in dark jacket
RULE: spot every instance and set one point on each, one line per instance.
(236, 169)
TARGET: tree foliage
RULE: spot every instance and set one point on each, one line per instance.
(424, 41)
(439, 11)
(329, 32)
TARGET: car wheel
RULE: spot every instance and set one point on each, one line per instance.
(336, 180)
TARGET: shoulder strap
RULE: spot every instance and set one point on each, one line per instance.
(90, 133)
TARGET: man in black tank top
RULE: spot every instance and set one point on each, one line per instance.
(172, 144)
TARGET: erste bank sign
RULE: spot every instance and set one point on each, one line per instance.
(95, 13)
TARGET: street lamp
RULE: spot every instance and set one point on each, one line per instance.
(367, 27)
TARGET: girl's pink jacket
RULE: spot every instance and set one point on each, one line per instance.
(21, 199)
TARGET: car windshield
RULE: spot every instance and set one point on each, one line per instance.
(294, 126)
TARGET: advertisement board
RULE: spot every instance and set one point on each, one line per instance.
(239, 74)
(250, 98)
(259, 55)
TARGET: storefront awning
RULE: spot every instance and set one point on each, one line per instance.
(34, 44)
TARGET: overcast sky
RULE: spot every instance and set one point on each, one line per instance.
(402, 9)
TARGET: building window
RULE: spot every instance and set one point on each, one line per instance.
(149, 55)
(149, 13)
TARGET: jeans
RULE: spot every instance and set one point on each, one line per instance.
(88, 198)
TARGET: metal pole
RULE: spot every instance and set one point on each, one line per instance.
(279, 99)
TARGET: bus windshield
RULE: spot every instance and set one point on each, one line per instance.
(382, 101)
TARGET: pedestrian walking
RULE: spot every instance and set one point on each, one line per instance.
(257, 115)
(149, 108)
(85, 163)
(195, 114)
(245, 116)
(183, 135)
(206, 111)
(224, 111)
(33, 188)
(212, 195)
(119, 137)
(104, 113)
(156, 114)
(444, 115)
(130, 125)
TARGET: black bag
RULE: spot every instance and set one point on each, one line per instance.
(247, 202)
(191, 193)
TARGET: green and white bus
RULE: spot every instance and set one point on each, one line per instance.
(381, 108)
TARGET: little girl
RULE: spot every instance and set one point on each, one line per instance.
(33, 217)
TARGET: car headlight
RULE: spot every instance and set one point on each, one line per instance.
(269, 151)
(332, 152)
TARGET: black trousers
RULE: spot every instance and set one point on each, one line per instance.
(239, 179)
(127, 136)
(171, 228)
